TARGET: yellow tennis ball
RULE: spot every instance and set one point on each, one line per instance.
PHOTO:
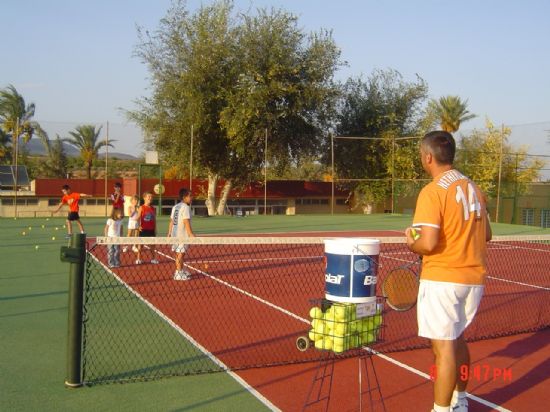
(315, 313)
(43, 226)
(30, 228)
(23, 233)
(340, 329)
(53, 237)
(414, 233)
(327, 343)
(36, 247)
(56, 228)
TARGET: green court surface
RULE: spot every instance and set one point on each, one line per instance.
(33, 317)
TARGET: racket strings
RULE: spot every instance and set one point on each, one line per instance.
(401, 289)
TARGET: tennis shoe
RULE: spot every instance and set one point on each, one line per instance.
(135, 249)
(125, 249)
(138, 262)
(461, 405)
(154, 261)
(181, 275)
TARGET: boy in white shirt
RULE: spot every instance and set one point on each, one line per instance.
(180, 227)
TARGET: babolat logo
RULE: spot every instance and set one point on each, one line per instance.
(370, 280)
(335, 279)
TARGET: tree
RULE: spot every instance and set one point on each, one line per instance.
(231, 78)
(85, 138)
(16, 123)
(384, 107)
(56, 164)
(451, 111)
(479, 157)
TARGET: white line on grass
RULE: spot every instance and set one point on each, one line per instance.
(213, 358)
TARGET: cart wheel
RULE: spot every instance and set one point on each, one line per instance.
(303, 343)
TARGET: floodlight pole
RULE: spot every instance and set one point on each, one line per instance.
(191, 162)
(16, 142)
(499, 174)
(332, 173)
(265, 174)
(106, 167)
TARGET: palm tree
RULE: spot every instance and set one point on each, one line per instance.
(16, 121)
(451, 112)
(85, 138)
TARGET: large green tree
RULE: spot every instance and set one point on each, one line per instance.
(387, 108)
(450, 112)
(86, 139)
(232, 77)
(17, 124)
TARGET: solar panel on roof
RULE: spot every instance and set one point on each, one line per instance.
(7, 176)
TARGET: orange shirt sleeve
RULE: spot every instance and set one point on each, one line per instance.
(428, 208)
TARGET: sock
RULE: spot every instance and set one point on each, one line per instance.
(458, 396)
(438, 408)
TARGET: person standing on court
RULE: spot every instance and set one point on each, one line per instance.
(71, 198)
(117, 198)
(180, 227)
(147, 226)
(452, 221)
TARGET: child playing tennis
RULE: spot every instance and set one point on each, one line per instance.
(71, 198)
(133, 221)
(147, 226)
(180, 227)
(113, 228)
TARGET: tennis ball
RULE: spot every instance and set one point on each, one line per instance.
(315, 313)
(30, 228)
(414, 233)
(327, 343)
(329, 325)
(64, 227)
(339, 313)
(320, 328)
(53, 237)
(377, 320)
(23, 233)
(56, 228)
(43, 226)
(329, 314)
(314, 336)
(36, 247)
(319, 344)
(340, 329)
(338, 348)
(47, 219)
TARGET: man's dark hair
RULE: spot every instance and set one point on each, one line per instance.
(183, 193)
(66, 187)
(117, 184)
(442, 146)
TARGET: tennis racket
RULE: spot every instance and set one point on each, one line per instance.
(400, 287)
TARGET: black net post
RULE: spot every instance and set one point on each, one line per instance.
(75, 255)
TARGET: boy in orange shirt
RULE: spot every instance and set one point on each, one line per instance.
(71, 198)
(451, 213)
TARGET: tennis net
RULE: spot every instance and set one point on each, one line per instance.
(248, 300)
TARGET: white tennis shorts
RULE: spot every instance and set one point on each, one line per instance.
(133, 224)
(179, 248)
(444, 310)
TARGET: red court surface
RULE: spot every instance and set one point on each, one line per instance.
(234, 282)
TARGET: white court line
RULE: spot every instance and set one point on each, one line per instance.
(213, 358)
(306, 321)
(518, 283)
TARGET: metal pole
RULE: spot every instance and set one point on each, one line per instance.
(265, 174)
(191, 162)
(332, 173)
(393, 175)
(16, 142)
(76, 255)
(106, 168)
(160, 191)
(499, 174)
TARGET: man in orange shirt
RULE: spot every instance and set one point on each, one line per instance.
(451, 217)
(71, 198)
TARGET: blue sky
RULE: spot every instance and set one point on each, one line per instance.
(74, 58)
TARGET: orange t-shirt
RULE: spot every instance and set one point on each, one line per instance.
(455, 205)
(72, 201)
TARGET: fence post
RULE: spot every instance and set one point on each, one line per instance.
(75, 254)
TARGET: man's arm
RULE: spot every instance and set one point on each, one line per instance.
(488, 230)
(426, 243)
(58, 207)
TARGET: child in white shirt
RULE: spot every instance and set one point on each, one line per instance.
(113, 228)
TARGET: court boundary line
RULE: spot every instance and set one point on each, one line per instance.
(178, 329)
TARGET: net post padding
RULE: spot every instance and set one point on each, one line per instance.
(248, 300)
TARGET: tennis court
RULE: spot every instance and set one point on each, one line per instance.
(256, 300)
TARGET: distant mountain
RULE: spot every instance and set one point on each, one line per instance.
(35, 148)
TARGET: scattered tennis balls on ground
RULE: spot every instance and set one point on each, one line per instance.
(53, 237)
(36, 247)
(23, 233)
